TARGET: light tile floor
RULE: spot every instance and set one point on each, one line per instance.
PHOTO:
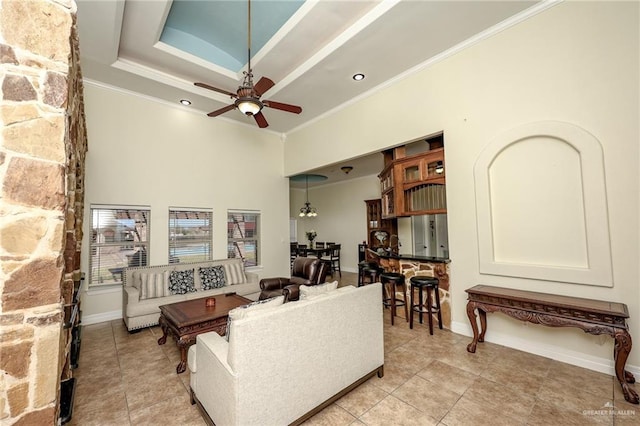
(128, 379)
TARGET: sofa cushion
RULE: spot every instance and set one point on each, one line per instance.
(181, 282)
(235, 273)
(246, 310)
(153, 285)
(312, 291)
(212, 277)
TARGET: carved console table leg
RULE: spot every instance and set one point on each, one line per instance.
(471, 313)
(483, 323)
(621, 350)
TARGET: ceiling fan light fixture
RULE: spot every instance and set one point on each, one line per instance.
(249, 106)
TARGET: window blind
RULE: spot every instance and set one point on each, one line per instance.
(190, 235)
(243, 236)
(119, 238)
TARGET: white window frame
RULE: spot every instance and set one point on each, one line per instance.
(116, 253)
(236, 245)
(202, 243)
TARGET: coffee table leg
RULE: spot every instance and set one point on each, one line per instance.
(165, 330)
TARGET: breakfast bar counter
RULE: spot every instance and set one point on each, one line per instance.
(413, 265)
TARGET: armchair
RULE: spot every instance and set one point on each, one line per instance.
(305, 270)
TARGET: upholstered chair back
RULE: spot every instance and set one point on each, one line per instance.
(308, 271)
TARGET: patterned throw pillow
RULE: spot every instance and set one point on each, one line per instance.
(244, 310)
(181, 282)
(212, 277)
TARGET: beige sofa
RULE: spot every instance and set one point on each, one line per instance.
(147, 287)
(285, 363)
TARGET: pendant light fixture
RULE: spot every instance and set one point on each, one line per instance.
(307, 210)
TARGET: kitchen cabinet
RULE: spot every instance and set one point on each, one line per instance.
(413, 185)
(379, 230)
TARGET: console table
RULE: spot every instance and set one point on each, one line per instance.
(592, 316)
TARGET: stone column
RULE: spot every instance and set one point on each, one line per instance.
(42, 149)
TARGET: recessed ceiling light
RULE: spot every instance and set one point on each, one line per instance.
(185, 101)
(358, 77)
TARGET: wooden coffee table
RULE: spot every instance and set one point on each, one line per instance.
(185, 320)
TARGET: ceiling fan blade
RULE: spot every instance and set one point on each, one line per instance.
(221, 110)
(284, 107)
(215, 89)
(262, 86)
(262, 122)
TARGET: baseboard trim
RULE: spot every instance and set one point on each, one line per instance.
(579, 359)
(101, 317)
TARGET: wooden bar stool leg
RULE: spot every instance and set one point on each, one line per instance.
(429, 305)
(421, 301)
(412, 309)
(393, 301)
(406, 305)
(437, 290)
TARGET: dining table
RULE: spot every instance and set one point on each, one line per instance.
(317, 252)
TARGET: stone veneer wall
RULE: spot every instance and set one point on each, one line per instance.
(42, 156)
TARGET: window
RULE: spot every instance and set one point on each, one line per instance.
(243, 230)
(119, 238)
(190, 235)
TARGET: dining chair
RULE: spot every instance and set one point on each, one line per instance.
(320, 244)
(293, 252)
(332, 258)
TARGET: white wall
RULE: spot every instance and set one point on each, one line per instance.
(576, 62)
(342, 215)
(148, 153)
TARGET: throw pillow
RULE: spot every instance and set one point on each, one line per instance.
(311, 291)
(181, 282)
(152, 285)
(235, 273)
(246, 310)
(135, 279)
(212, 277)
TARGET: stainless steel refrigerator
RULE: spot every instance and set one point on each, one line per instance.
(430, 235)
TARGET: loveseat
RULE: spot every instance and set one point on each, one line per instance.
(145, 288)
(285, 363)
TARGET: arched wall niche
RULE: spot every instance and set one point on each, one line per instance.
(542, 206)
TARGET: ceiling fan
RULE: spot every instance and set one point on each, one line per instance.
(247, 97)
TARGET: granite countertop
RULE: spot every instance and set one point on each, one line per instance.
(414, 257)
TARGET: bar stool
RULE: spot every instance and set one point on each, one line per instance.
(394, 282)
(369, 270)
(431, 285)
